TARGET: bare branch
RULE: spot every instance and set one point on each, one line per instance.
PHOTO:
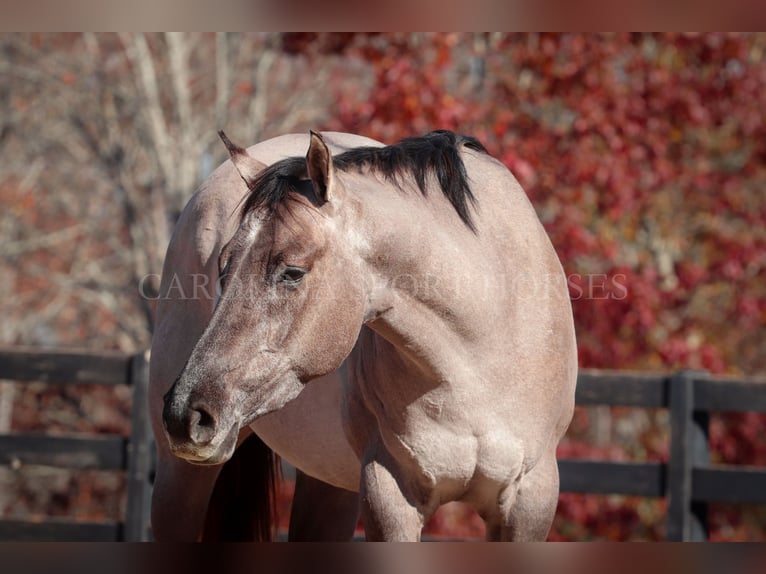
(138, 53)
(222, 91)
(32, 175)
(53, 239)
(186, 162)
(178, 55)
(91, 45)
(259, 103)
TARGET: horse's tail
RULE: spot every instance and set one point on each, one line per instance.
(244, 498)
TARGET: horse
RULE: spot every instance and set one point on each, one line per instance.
(393, 320)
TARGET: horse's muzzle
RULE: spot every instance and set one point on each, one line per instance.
(192, 430)
(194, 425)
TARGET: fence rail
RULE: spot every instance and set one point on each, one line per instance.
(688, 479)
(133, 454)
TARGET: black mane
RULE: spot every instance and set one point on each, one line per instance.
(436, 153)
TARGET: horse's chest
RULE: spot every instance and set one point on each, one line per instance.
(438, 438)
(452, 437)
(440, 453)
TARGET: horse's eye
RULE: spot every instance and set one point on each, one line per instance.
(291, 276)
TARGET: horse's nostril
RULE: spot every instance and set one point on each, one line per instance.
(201, 426)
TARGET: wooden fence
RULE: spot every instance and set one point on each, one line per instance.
(133, 455)
(688, 479)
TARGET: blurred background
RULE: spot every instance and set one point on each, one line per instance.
(644, 155)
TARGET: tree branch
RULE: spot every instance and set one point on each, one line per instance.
(140, 57)
(222, 91)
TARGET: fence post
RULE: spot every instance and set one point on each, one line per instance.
(140, 454)
(689, 448)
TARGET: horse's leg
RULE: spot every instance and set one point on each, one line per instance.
(388, 513)
(180, 497)
(527, 508)
(321, 512)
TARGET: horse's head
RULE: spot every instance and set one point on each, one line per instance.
(290, 308)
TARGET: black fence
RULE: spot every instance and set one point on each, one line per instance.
(133, 455)
(688, 479)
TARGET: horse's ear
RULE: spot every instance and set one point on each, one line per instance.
(319, 166)
(247, 166)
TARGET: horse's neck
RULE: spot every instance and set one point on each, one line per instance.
(431, 347)
(424, 266)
